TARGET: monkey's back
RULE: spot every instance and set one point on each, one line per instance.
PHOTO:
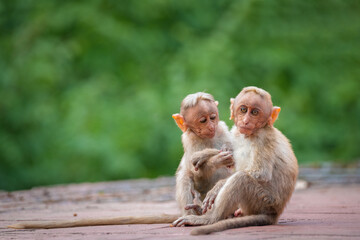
(284, 172)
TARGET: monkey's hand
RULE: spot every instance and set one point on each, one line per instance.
(211, 195)
(196, 208)
(199, 158)
(223, 159)
(226, 148)
(192, 220)
(196, 195)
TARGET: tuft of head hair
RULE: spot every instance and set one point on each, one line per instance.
(261, 92)
(192, 100)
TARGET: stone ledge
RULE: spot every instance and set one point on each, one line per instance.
(323, 211)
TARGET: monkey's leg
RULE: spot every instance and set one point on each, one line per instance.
(226, 202)
(212, 194)
(197, 204)
(184, 195)
(231, 195)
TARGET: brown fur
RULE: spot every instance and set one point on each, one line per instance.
(191, 185)
(188, 180)
(266, 172)
(201, 152)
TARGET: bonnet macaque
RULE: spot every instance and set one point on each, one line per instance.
(266, 169)
(207, 151)
(207, 158)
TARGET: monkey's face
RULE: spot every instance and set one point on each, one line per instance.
(251, 112)
(202, 119)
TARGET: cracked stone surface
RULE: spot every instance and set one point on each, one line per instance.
(328, 209)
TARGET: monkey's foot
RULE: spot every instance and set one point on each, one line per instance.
(191, 220)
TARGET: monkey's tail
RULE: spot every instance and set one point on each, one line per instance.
(164, 218)
(252, 220)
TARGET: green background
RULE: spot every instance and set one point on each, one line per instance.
(88, 87)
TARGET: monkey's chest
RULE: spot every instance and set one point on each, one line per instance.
(243, 155)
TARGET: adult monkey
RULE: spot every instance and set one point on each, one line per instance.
(207, 154)
(266, 169)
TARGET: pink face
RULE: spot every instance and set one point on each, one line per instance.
(251, 112)
(203, 119)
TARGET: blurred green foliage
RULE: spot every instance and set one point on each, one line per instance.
(88, 87)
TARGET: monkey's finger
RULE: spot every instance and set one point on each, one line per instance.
(230, 165)
(225, 155)
(205, 206)
(226, 152)
(221, 154)
(228, 158)
(212, 200)
(194, 162)
(228, 162)
(191, 206)
(225, 160)
(180, 222)
(195, 207)
(176, 222)
(193, 192)
(200, 163)
(206, 209)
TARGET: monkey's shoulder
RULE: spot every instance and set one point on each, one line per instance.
(222, 136)
(192, 143)
(279, 150)
(222, 127)
(222, 131)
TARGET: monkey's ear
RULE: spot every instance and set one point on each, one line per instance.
(231, 108)
(217, 103)
(179, 119)
(274, 115)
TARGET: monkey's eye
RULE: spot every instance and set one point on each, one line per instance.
(203, 120)
(243, 109)
(255, 112)
(213, 117)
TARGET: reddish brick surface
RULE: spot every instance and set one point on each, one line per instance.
(319, 212)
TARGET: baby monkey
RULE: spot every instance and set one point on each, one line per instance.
(207, 158)
(266, 169)
(207, 151)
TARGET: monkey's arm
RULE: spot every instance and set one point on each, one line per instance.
(225, 138)
(261, 170)
(199, 158)
(212, 194)
(185, 191)
(210, 159)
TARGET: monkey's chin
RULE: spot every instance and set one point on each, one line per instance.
(208, 135)
(246, 131)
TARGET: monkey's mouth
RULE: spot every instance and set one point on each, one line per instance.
(246, 130)
(210, 134)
